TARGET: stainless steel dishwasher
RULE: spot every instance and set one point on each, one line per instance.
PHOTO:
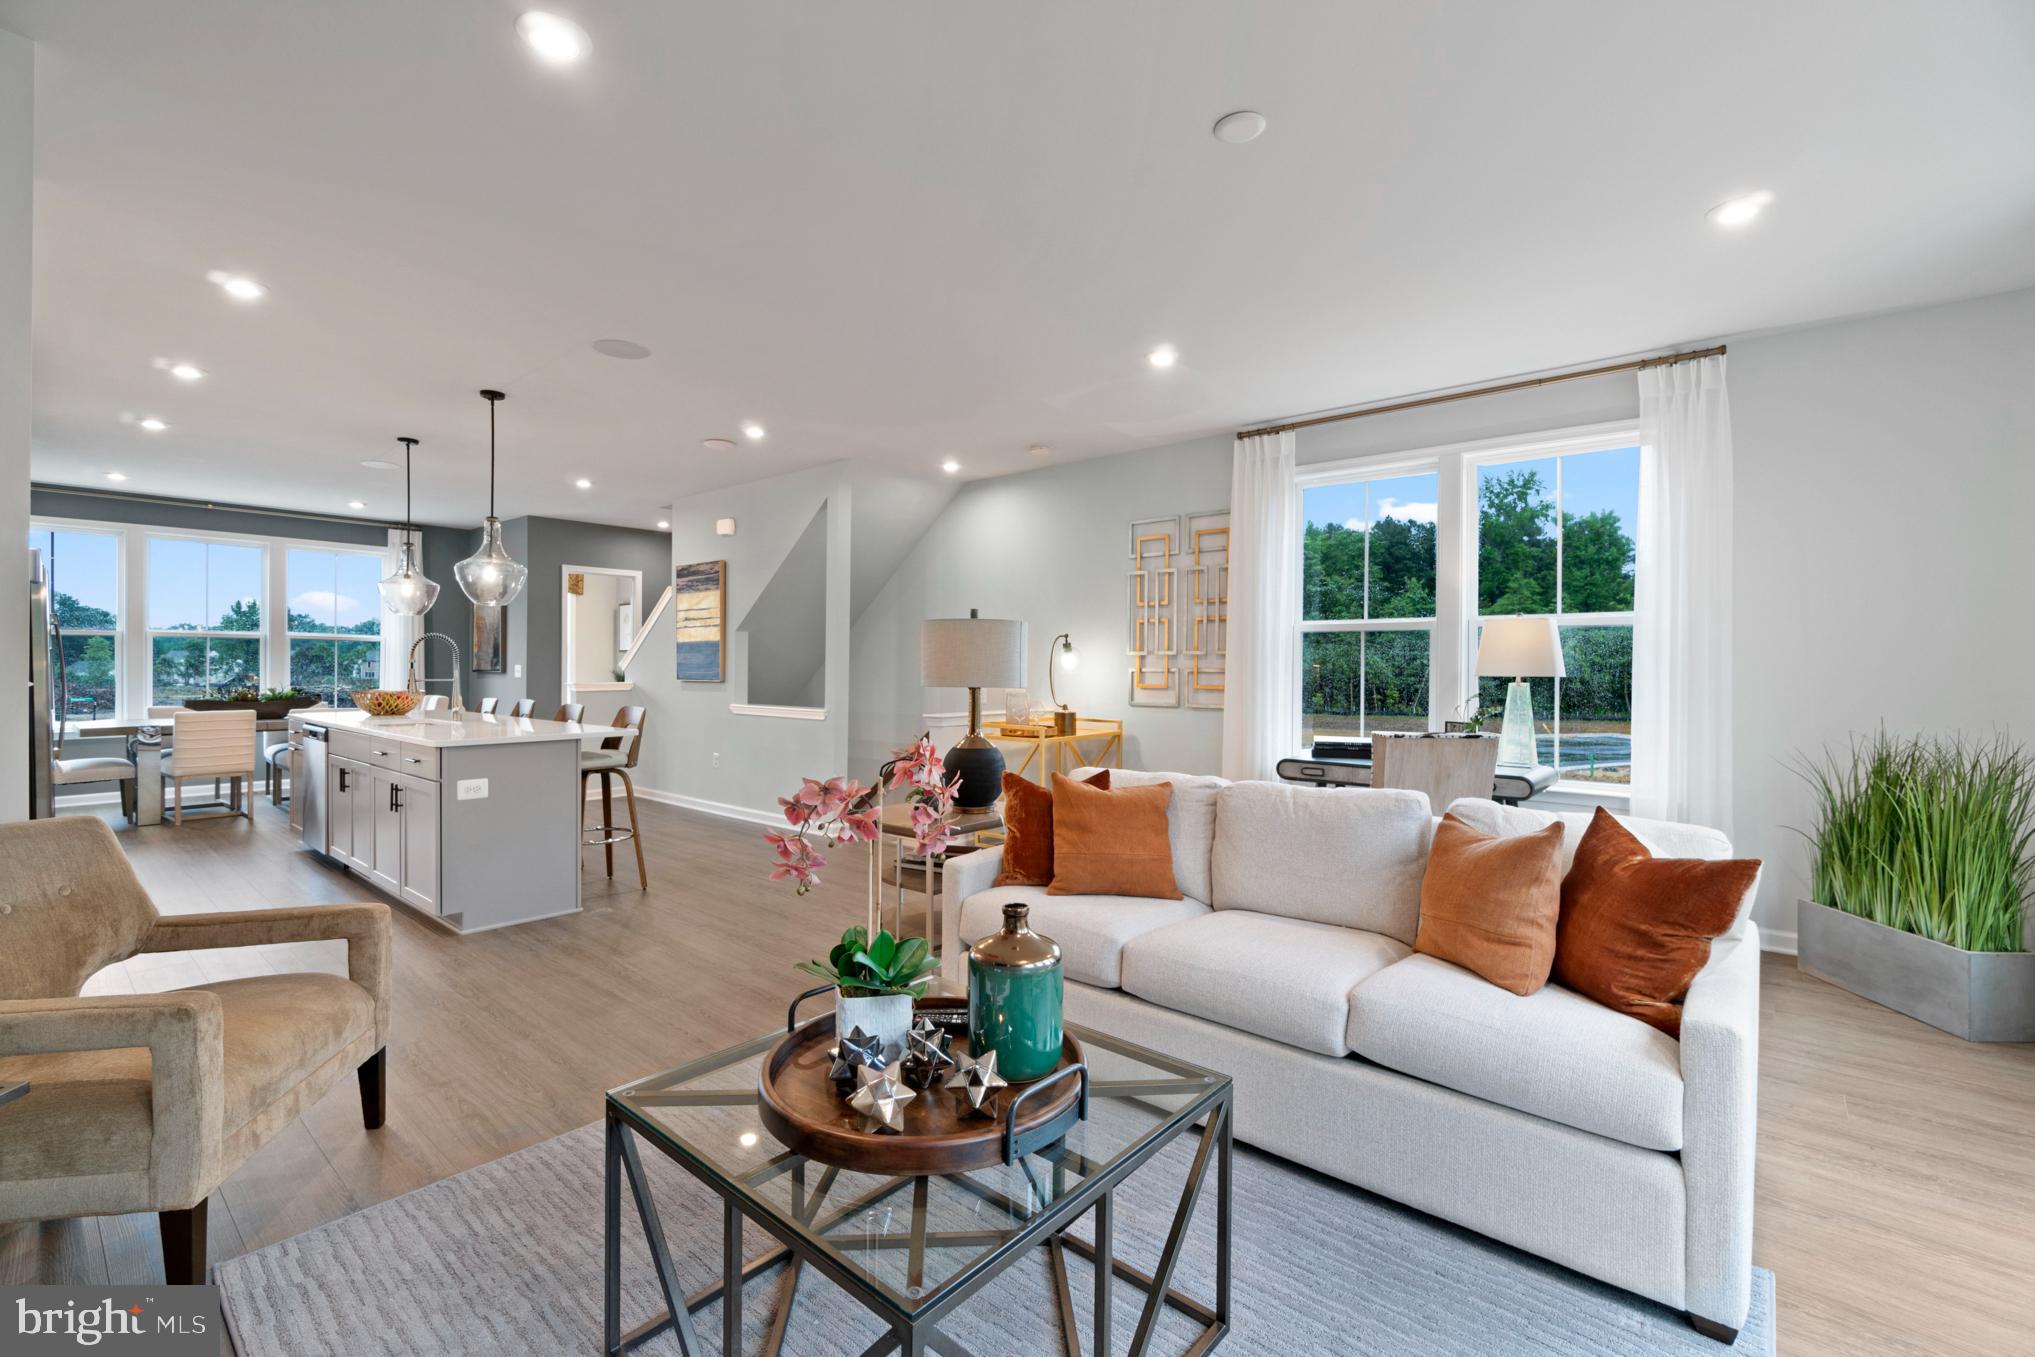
(307, 785)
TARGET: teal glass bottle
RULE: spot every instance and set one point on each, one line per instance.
(1015, 990)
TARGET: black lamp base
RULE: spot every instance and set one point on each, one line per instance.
(980, 765)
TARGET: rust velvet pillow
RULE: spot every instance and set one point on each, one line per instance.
(1635, 928)
(1028, 830)
(1491, 904)
(1111, 843)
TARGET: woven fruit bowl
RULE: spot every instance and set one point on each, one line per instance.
(385, 701)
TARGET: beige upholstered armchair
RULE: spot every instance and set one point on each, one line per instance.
(146, 1102)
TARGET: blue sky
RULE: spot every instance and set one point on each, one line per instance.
(1591, 481)
(196, 582)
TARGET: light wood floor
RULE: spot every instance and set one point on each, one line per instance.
(1896, 1164)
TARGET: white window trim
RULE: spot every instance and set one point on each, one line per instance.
(134, 644)
(121, 692)
(1452, 656)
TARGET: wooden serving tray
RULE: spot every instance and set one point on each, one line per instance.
(799, 1106)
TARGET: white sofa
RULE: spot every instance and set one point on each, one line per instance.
(1548, 1122)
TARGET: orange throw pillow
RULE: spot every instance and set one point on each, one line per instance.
(1490, 904)
(1111, 843)
(1635, 929)
(1028, 830)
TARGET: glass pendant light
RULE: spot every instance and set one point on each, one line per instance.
(408, 593)
(489, 577)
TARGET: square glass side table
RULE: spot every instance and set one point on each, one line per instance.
(912, 1249)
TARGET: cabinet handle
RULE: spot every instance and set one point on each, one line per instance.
(395, 798)
(408, 759)
(342, 780)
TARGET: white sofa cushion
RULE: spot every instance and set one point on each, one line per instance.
(1091, 929)
(1190, 820)
(1286, 979)
(1552, 1053)
(1348, 856)
(1663, 838)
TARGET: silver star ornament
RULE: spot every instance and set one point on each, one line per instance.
(881, 1098)
(976, 1079)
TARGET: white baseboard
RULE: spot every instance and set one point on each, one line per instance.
(1777, 940)
(701, 804)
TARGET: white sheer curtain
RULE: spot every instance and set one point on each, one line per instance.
(1261, 709)
(1681, 638)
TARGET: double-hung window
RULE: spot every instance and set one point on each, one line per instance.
(1404, 558)
(1367, 605)
(334, 620)
(204, 617)
(83, 569)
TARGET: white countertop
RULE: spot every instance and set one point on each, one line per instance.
(445, 728)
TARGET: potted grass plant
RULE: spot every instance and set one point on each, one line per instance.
(1923, 860)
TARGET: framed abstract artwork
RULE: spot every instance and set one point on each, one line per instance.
(490, 638)
(699, 601)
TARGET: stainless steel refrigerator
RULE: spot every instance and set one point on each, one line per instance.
(46, 702)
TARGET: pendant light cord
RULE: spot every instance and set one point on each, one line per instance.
(492, 402)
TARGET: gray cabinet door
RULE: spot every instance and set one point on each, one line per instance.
(385, 860)
(420, 842)
(342, 776)
(360, 848)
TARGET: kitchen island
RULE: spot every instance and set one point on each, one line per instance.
(472, 820)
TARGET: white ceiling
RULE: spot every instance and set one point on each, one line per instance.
(906, 232)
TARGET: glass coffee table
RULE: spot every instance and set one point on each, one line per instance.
(912, 1249)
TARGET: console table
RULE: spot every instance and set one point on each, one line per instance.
(1046, 753)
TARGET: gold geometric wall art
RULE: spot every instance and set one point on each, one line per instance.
(1205, 635)
(1152, 613)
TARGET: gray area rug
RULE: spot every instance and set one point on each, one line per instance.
(506, 1259)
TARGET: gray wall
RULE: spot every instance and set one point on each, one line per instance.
(1048, 547)
(1884, 471)
(17, 193)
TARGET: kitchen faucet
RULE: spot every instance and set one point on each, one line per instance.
(417, 678)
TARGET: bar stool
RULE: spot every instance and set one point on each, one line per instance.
(488, 705)
(571, 711)
(524, 707)
(611, 761)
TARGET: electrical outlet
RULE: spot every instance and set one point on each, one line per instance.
(717, 759)
(473, 789)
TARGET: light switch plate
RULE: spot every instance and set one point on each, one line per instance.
(518, 671)
(473, 789)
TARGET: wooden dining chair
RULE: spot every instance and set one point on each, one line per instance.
(213, 744)
(570, 711)
(1447, 769)
(488, 705)
(525, 707)
(611, 760)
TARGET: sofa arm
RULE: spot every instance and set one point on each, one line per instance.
(962, 876)
(184, 1033)
(363, 927)
(1720, 1116)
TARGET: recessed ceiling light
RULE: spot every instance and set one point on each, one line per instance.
(950, 466)
(718, 444)
(1039, 450)
(186, 372)
(752, 431)
(236, 286)
(1239, 127)
(153, 425)
(557, 40)
(620, 348)
(377, 464)
(664, 523)
(1740, 210)
(116, 475)
(1164, 356)
(584, 484)
(356, 504)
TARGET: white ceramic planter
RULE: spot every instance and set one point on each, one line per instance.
(888, 1016)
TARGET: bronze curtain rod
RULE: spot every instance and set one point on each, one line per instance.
(1523, 384)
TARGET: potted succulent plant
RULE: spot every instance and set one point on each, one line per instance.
(1923, 863)
(272, 705)
(875, 981)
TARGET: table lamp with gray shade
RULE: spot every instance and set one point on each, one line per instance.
(974, 653)
(1522, 647)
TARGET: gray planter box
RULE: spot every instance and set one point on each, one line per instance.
(1980, 996)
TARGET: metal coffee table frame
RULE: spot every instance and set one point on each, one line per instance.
(914, 1328)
